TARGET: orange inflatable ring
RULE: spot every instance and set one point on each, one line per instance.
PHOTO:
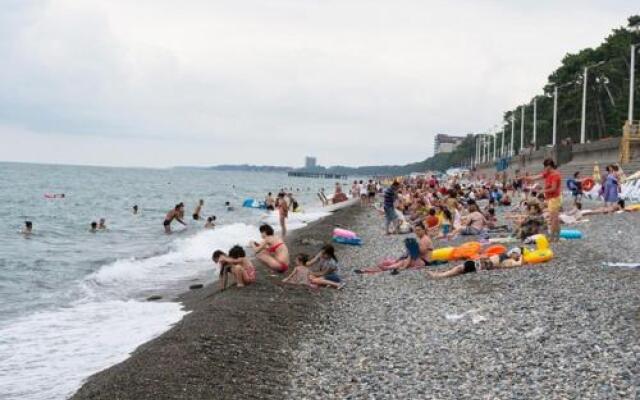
(466, 251)
(588, 184)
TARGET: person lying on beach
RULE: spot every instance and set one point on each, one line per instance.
(301, 274)
(513, 258)
(324, 267)
(28, 228)
(210, 224)
(238, 264)
(176, 213)
(619, 206)
(102, 224)
(272, 251)
(572, 216)
(196, 212)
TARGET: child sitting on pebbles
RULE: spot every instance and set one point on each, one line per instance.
(238, 264)
(324, 267)
(301, 274)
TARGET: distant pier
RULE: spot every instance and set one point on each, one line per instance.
(318, 175)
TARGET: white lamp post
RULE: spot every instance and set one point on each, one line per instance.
(522, 127)
(583, 120)
(535, 117)
(555, 115)
(513, 127)
(631, 80)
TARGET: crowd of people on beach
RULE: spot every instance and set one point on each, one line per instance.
(501, 209)
(432, 208)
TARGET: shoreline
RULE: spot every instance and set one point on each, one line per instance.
(223, 334)
(568, 328)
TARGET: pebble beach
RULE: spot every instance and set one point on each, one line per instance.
(566, 329)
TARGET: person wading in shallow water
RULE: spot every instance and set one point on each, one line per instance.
(198, 210)
(283, 210)
(176, 213)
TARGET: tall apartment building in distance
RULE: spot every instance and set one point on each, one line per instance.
(446, 143)
(310, 162)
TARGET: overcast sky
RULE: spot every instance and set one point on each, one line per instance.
(353, 82)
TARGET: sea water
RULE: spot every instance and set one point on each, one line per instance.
(72, 302)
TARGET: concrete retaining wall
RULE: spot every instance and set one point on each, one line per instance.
(603, 151)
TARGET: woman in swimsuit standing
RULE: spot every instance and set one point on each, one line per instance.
(273, 252)
(283, 210)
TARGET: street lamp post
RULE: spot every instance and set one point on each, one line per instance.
(584, 106)
(583, 121)
(535, 117)
(631, 80)
(555, 114)
(485, 147)
(522, 128)
(477, 158)
(502, 141)
(494, 146)
(513, 127)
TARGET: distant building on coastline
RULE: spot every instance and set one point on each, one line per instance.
(446, 143)
(310, 162)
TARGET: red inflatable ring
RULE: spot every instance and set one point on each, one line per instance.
(587, 184)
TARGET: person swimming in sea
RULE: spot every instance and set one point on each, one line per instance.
(135, 209)
(94, 227)
(176, 213)
(28, 228)
(196, 212)
(102, 224)
(272, 251)
(210, 224)
(270, 202)
(228, 206)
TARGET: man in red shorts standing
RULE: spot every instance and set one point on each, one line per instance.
(552, 195)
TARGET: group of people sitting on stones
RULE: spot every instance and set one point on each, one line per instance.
(273, 253)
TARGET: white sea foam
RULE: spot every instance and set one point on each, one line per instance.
(187, 258)
(48, 354)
